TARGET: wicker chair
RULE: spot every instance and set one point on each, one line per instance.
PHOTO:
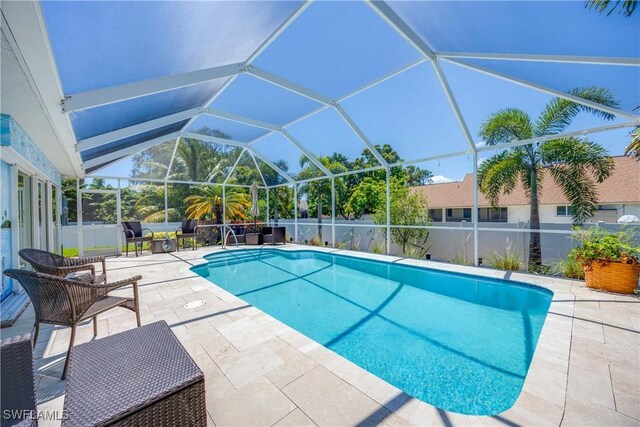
(18, 381)
(56, 265)
(186, 231)
(133, 234)
(60, 301)
(274, 235)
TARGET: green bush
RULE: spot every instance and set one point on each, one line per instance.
(570, 267)
(507, 260)
(598, 244)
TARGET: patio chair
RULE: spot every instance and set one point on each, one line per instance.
(18, 382)
(133, 234)
(186, 231)
(56, 265)
(60, 301)
(274, 235)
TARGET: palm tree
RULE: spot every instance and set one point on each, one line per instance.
(207, 203)
(572, 163)
(633, 149)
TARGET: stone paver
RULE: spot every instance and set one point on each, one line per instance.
(259, 371)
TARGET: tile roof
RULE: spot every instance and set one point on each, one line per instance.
(623, 186)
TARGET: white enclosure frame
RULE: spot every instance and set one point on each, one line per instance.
(90, 99)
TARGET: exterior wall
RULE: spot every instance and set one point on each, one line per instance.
(6, 248)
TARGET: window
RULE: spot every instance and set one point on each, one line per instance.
(492, 214)
(564, 211)
(466, 214)
(435, 215)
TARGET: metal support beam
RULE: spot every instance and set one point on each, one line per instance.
(295, 212)
(543, 89)
(308, 93)
(578, 133)
(128, 151)
(166, 208)
(421, 46)
(342, 113)
(240, 119)
(474, 213)
(454, 106)
(306, 152)
(333, 212)
(224, 205)
(233, 168)
(173, 156)
(106, 138)
(224, 141)
(257, 53)
(109, 95)
(565, 59)
(388, 201)
(255, 162)
(392, 18)
(271, 164)
(288, 85)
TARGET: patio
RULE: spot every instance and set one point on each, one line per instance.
(259, 371)
(396, 131)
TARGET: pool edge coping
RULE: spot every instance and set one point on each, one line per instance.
(545, 384)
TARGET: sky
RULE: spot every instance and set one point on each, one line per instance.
(334, 48)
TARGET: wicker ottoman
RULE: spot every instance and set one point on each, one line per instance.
(141, 377)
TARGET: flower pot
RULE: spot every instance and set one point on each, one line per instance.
(619, 277)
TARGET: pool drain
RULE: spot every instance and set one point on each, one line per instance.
(195, 304)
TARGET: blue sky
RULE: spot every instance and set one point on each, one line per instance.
(334, 48)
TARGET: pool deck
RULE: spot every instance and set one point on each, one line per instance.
(260, 372)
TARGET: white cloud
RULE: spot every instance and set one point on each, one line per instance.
(439, 179)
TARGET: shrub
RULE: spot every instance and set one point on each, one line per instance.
(379, 248)
(598, 244)
(508, 260)
(316, 241)
(570, 267)
(340, 245)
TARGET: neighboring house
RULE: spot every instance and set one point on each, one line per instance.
(618, 195)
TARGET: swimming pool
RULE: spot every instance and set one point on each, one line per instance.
(461, 343)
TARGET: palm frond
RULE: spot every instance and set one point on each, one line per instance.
(633, 149)
(578, 189)
(559, 113)
(506, 125)
(499, 174)
(585, 156)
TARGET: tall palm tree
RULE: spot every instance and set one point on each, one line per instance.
(207, 203)
(571, 162)
(633, 149)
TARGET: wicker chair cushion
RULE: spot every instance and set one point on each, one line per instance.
(189, 225)
(134, 226)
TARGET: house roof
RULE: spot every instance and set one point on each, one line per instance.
(623, 186)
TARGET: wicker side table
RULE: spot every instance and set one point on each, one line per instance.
(140, 377)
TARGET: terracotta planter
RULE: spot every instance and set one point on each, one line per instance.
(616, 276)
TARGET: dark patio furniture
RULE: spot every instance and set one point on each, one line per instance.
(239, 231)
(274, 235)
(253, 238)
(60, 301)
(18, 386)
(133, 234)
(56, 265)
(163, 246)
(140, 377)
(187, 231)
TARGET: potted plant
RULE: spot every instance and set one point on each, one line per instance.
(609, 259)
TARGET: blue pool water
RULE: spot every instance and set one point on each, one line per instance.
(459, 342)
